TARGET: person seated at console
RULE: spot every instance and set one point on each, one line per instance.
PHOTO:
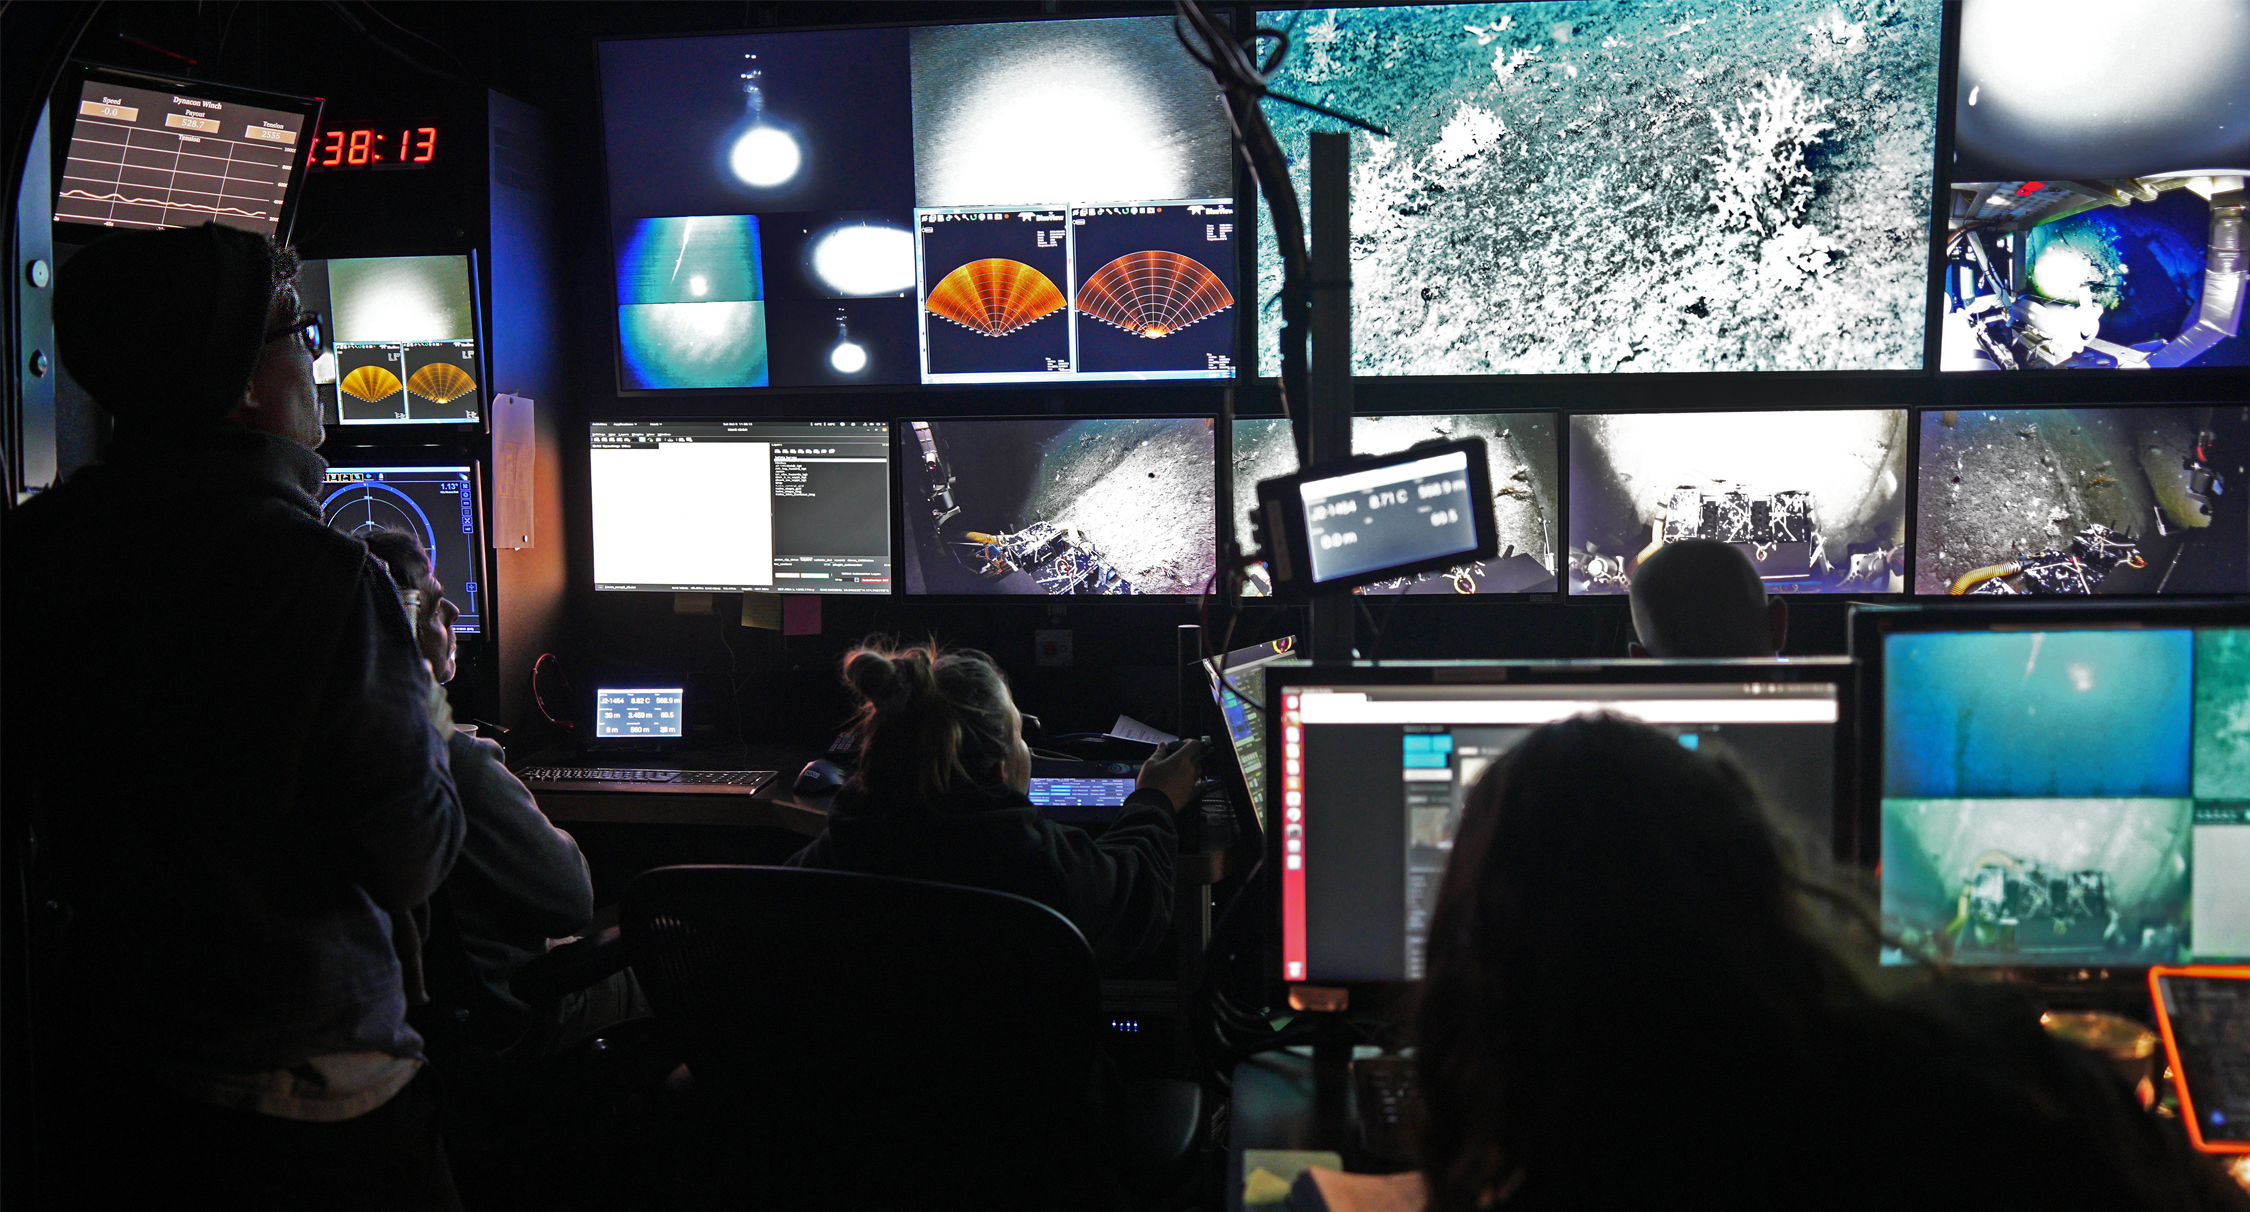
(519, 880)
(1700, 598)
(939, 794)
(1634, 1001)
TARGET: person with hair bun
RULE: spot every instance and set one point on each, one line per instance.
(940, 795)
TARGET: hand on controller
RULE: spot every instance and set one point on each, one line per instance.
(1176, 770)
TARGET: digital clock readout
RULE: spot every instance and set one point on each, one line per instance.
(375, 147)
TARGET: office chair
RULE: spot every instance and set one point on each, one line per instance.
(859, 1040)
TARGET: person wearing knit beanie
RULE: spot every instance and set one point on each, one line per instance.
(168, 330)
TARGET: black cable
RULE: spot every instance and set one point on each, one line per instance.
(1375, 641)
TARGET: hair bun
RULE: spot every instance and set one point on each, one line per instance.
(877, 678)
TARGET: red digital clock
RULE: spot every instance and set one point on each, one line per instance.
(375, 147)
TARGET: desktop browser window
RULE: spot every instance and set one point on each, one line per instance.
(1373, 779)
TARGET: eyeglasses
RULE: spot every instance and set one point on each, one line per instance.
(306, 328)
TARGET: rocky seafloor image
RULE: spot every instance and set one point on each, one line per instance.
(1597, 187)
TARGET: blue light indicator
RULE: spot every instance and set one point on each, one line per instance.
(1689, 740)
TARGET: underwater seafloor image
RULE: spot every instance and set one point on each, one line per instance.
(2078, 500)
(1520, 452)
(1597, 187)
(1046, 507)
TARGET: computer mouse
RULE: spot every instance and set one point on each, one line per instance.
(818, 778)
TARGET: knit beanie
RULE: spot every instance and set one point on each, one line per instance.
(165, 328)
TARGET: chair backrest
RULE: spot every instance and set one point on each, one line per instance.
(892, 1035)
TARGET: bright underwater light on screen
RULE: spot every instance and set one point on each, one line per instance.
(765, 156)
(848, 358)
(864, 259)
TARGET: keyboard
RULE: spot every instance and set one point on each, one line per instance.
(1389, 1105)
(604, 778)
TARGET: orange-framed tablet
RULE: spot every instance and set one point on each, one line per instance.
(2188, 1113)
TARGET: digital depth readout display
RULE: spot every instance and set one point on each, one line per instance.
(643, 712)
(1387, 517)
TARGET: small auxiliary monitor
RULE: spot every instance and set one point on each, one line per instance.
(1378, 518)
(638, 713)
(437, 504)
(150, 152)
(2204, 1013)
(403, 348)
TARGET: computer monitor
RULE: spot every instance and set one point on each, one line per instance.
(150, 152)
(403, 338)
(1817, 500)
(2061, 787)
(1238, 682)
(1520, 449)
(724, 506)
(2095, 189)
(638, 713)
(436, 504)
(2077, 501)
(1049, 506)
(1571, 188)
(1043, 201)
(1374, 765)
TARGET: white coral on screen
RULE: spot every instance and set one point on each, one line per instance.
(1763, 182)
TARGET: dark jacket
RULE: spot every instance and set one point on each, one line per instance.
(218, 716)
(1117, 888)
(519, 882)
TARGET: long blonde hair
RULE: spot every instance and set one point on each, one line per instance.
(930, 721)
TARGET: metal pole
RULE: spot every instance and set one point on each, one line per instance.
(1325, 426)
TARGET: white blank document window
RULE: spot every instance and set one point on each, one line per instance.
(684, 513)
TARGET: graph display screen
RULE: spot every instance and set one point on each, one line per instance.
(2073, 501)
(141, 158)
(1816, 500)
(1044, 201)
(2094, 215)
(1596, 186)
(716, 506)
(405, 340)
(437, 505)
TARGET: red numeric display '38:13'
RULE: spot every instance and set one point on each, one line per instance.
(376, 147)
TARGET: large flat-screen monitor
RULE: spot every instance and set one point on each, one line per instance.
(1817, 500)
(436, 504)
(2061, 788)
(1372, 767)
(149, 152)
(1520, 451)
(724, 506)
(2096, 188)
(1049, 506)
(402, 338)
(2076, 501)
(1043, 201)
(1597, 187)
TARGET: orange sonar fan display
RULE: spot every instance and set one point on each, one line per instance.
(442, 382)
(370, 383)
(1153, 294)
(995, 296)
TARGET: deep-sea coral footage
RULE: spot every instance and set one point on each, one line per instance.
(1594, 187)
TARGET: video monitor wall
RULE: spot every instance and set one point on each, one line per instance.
(1037, 506)
(2096, 188)
(1520, 449)
(2066, 798)
(724, 506)
(403, 338)
(1045, 201)
(1595, 187)
(1817, 500)
(437, 505)
(2083, 501)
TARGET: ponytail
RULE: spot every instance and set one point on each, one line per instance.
(929, 722)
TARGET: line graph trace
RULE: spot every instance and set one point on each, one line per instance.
(145, 159)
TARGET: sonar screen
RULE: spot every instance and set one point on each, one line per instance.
(1520, 449)
(1816, 500)
(181, 154)
(2096, 189)
(405, 339)
(2066, 798)
(2076, 501)
(1115, 507)
(437, 505)
(1583, 188)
